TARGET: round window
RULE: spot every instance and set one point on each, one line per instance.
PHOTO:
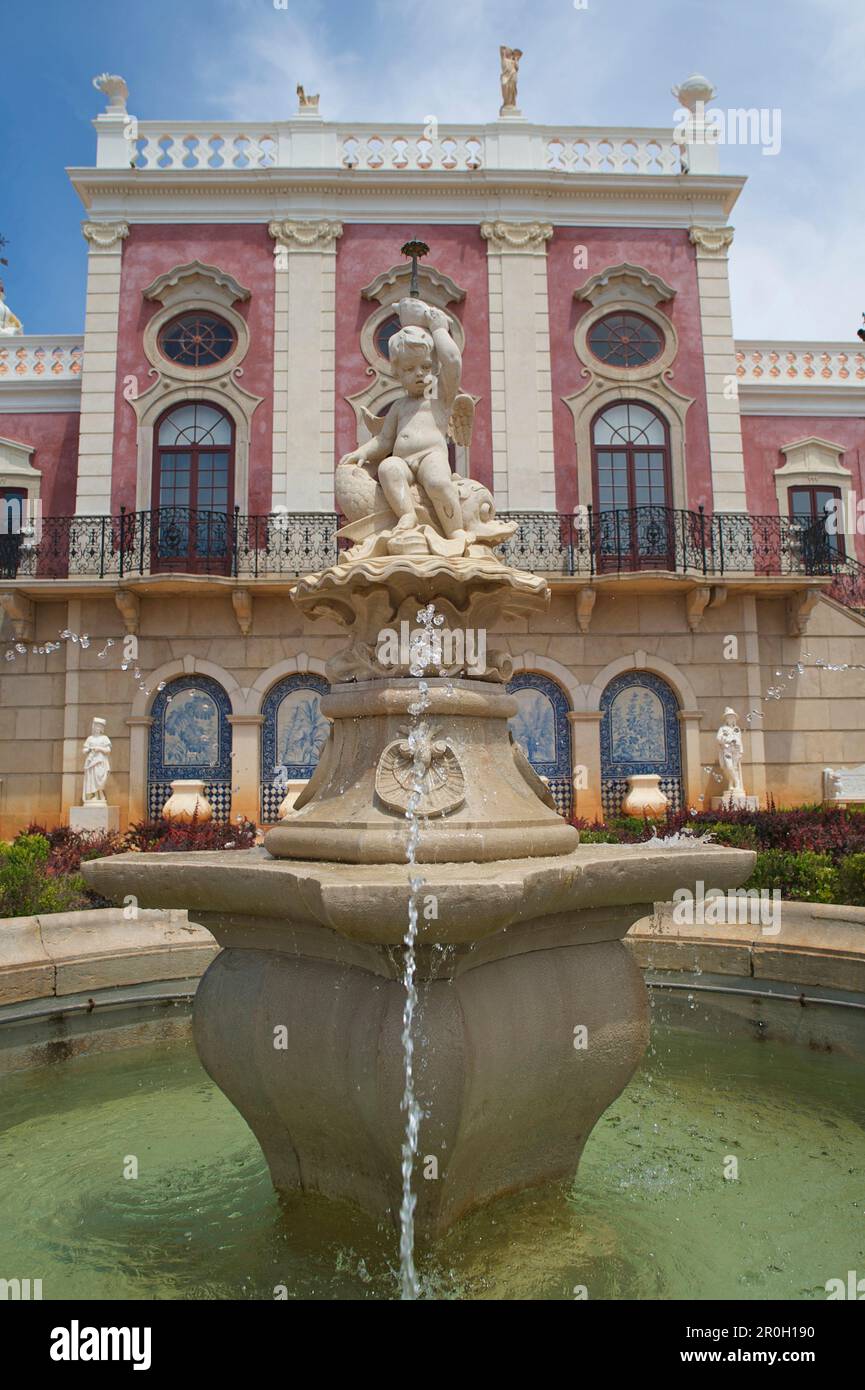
(384, 333)
(625, 340)
(197, 340)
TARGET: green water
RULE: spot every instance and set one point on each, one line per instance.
(651, 1216)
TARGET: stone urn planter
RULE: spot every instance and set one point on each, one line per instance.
(187, 802)
(644, 797)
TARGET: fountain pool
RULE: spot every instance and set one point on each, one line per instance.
(651, 1216)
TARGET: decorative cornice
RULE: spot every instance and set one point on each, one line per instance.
(170, 279)
(104, 235)
(382, 287)
(625, 281)
(295, 235)
(711, 241)
(527, 237)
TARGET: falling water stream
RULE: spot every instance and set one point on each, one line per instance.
(423, 654)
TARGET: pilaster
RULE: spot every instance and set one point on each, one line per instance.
(99, 369)
(719, 357)
(304, 376)
(522, 410)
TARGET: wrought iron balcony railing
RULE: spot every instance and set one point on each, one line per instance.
(284, 544)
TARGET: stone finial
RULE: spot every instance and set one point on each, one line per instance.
(115, 89)
(695, 89)
(307, 102)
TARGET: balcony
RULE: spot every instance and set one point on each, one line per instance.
(661, 541)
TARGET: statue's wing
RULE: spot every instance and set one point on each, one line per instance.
(373, 423)
(462, 420)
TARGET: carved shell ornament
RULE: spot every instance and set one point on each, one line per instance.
(424, 762)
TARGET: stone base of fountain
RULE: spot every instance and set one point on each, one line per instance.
(482, 800)
(532, 1015)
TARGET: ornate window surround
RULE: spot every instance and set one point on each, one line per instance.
(184, 289)
(16, 468)
(811, 462)
(628, 288)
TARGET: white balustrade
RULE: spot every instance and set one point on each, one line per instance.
(305, 143)
(159, 147)
(800, 364)
(27, 357)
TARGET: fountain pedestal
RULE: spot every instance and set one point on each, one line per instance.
(532, 1014)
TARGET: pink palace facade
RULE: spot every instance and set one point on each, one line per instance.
(167, 474)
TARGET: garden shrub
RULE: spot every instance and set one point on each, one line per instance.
(736, 836)
(26, 884)
(851, 880)
(803, 875)
(40, 869)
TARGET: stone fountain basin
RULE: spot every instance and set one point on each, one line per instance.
(369, 902)
(515, 958)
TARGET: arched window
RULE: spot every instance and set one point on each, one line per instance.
(190, 737)
(540, 727)
(292, 737)
(193, 489)
(631, 463)
(639, 733)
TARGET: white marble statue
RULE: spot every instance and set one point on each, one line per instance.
(97, 747)
(9, 323)
(419, 506)
(730, 752)
(510, 68)
(413, 441)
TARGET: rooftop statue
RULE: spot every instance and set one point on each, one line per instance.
(397, 490)
(510, 69)
(10, 323)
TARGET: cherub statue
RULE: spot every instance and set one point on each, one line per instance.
(413, 442)
(510, 68)
(426, 507)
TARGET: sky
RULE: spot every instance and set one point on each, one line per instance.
(797, 262)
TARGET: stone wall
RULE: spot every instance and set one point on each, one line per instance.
(47, 702)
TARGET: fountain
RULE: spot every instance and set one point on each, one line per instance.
(423, 1000)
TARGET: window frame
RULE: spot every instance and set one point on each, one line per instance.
(628, 367)
(205, 313)
(195, 559)
(632, 554)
